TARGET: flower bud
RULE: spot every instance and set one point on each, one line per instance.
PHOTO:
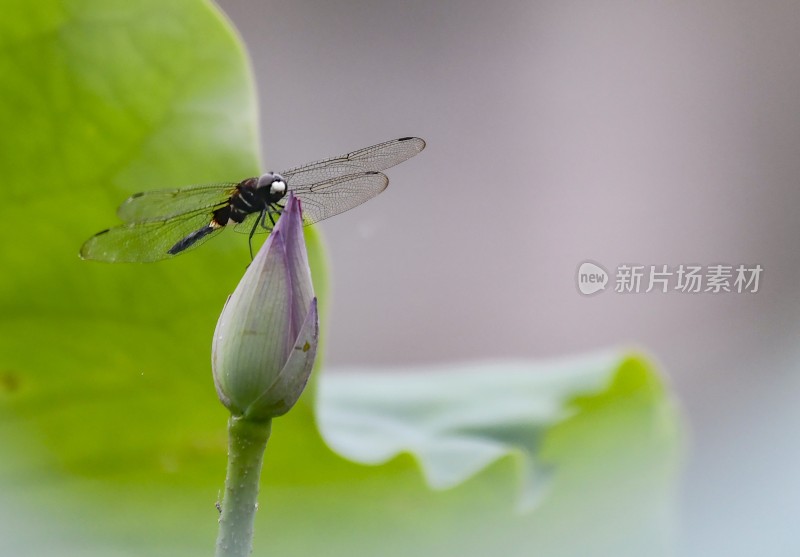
(266, 337)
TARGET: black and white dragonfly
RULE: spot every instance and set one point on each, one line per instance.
(164, 223)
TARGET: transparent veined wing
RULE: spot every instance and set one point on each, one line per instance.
(163, 204)
(158, 222)
(370, 159)
(148, 240)
(330, 197)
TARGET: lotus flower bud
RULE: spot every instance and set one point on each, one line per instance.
(266, 337)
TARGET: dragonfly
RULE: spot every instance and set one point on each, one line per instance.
(162, 224)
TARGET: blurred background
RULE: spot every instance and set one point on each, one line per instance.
(654, 133)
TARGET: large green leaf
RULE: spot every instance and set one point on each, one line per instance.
(576, 457)
(112, 441)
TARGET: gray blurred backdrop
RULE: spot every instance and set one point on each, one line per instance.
(621, 132)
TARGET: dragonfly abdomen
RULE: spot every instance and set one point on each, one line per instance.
(193, 238)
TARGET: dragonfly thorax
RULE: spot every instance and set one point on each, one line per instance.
(254, 195)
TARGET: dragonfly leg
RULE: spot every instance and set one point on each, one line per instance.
(270, 211)
(252, 233)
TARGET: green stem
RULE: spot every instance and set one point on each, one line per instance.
(247, 441)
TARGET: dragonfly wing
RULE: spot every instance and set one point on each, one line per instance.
(146, 241)
(160, 205)
(337, 195)
(370, 159)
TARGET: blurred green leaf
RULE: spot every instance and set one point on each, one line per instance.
(574, 457)
(112, 440)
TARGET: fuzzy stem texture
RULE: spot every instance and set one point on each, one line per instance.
(247, 441)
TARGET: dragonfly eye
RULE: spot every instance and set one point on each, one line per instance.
(265, 180)
(277, 187)
(273, 183)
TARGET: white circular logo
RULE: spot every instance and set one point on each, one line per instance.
(591, 278)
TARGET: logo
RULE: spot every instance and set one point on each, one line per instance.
(592, 278)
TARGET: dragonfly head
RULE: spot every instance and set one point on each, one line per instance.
(273, 184)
